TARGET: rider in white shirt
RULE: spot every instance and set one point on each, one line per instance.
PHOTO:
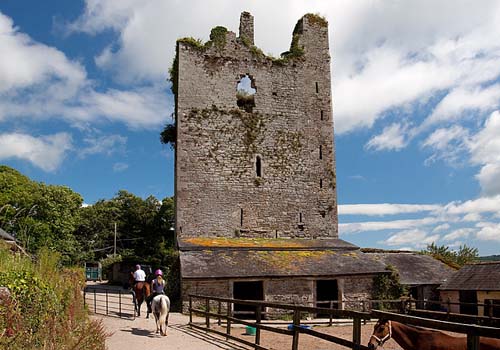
(139, 274)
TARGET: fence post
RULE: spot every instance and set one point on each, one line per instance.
(448, 306)
(95, 304)
(229, 314)
(258, 317)
(120, 304)
(356, 332)
(296, 325)
(331, 315)
(219, 312)
(207, 310)
(472, 342)
(190, 309)
(106, 302)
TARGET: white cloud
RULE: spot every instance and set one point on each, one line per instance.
(442, 227)
(448, 144)
(119, 167)
(459, 233)
(45, 152)
(480, 205)
(385, 209)
(414, 237)
(465, 98)
(472, 217)
(356, 227)
(489, 232)
(40, 82)
(392, 138)
(108, 145)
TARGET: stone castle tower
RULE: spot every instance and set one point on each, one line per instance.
(254, 149)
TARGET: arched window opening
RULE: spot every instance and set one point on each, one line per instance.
(258, 166)
(245, 93)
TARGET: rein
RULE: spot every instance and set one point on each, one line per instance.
(388, 336)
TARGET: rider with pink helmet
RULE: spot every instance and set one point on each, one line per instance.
(157, 287)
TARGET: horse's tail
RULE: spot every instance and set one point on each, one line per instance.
(164, 311)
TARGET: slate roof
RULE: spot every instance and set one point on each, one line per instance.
(414, 268)
(203, 243)
(251, 263)
(6, 236)
(480, 276)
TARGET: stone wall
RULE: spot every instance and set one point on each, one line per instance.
(255, 171)
(300, 291)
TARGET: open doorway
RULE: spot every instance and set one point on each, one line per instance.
(327, 291)
(248, 290)
(468, 302)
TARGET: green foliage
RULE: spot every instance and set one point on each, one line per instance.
(218, 36)
(316, 19)
(169, 135)
(45, 308)
(452, 258)
(39, 215)
(387, 287)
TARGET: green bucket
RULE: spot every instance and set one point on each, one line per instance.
(250, 330)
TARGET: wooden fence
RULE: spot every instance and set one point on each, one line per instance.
(212, 308)
(222, 309)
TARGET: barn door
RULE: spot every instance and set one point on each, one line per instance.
(251, 290)
(469, 300)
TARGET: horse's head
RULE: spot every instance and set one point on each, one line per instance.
(382, 332)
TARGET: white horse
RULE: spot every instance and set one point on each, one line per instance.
(161, 308)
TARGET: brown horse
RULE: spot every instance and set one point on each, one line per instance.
(141, 291)
(416, 338)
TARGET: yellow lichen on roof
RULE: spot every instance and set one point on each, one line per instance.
(290, 260)
(244, 242)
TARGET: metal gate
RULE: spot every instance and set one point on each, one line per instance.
(110, 301)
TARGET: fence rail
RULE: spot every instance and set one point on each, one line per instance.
(212, 309)
(110, 302)
(295, 330)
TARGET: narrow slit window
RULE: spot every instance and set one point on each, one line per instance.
(300, 217)
(321, 115)
(317, 87)
(241, 217)
(258, 166)
(320, 183)
(320, 152)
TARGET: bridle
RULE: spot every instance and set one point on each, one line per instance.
(388, 336)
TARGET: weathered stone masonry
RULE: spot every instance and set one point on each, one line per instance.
(256, 206)
(288, 135)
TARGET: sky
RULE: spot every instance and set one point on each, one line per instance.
(84, 94)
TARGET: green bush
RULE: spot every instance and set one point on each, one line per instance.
(45, 308)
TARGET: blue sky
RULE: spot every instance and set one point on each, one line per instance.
(416, 98)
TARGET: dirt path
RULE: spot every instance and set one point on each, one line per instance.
(140, 334)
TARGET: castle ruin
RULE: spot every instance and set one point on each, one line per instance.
(255, 188)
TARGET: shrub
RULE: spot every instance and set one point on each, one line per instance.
(45, 307)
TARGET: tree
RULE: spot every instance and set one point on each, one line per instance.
(452, 258)
(39, 215)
